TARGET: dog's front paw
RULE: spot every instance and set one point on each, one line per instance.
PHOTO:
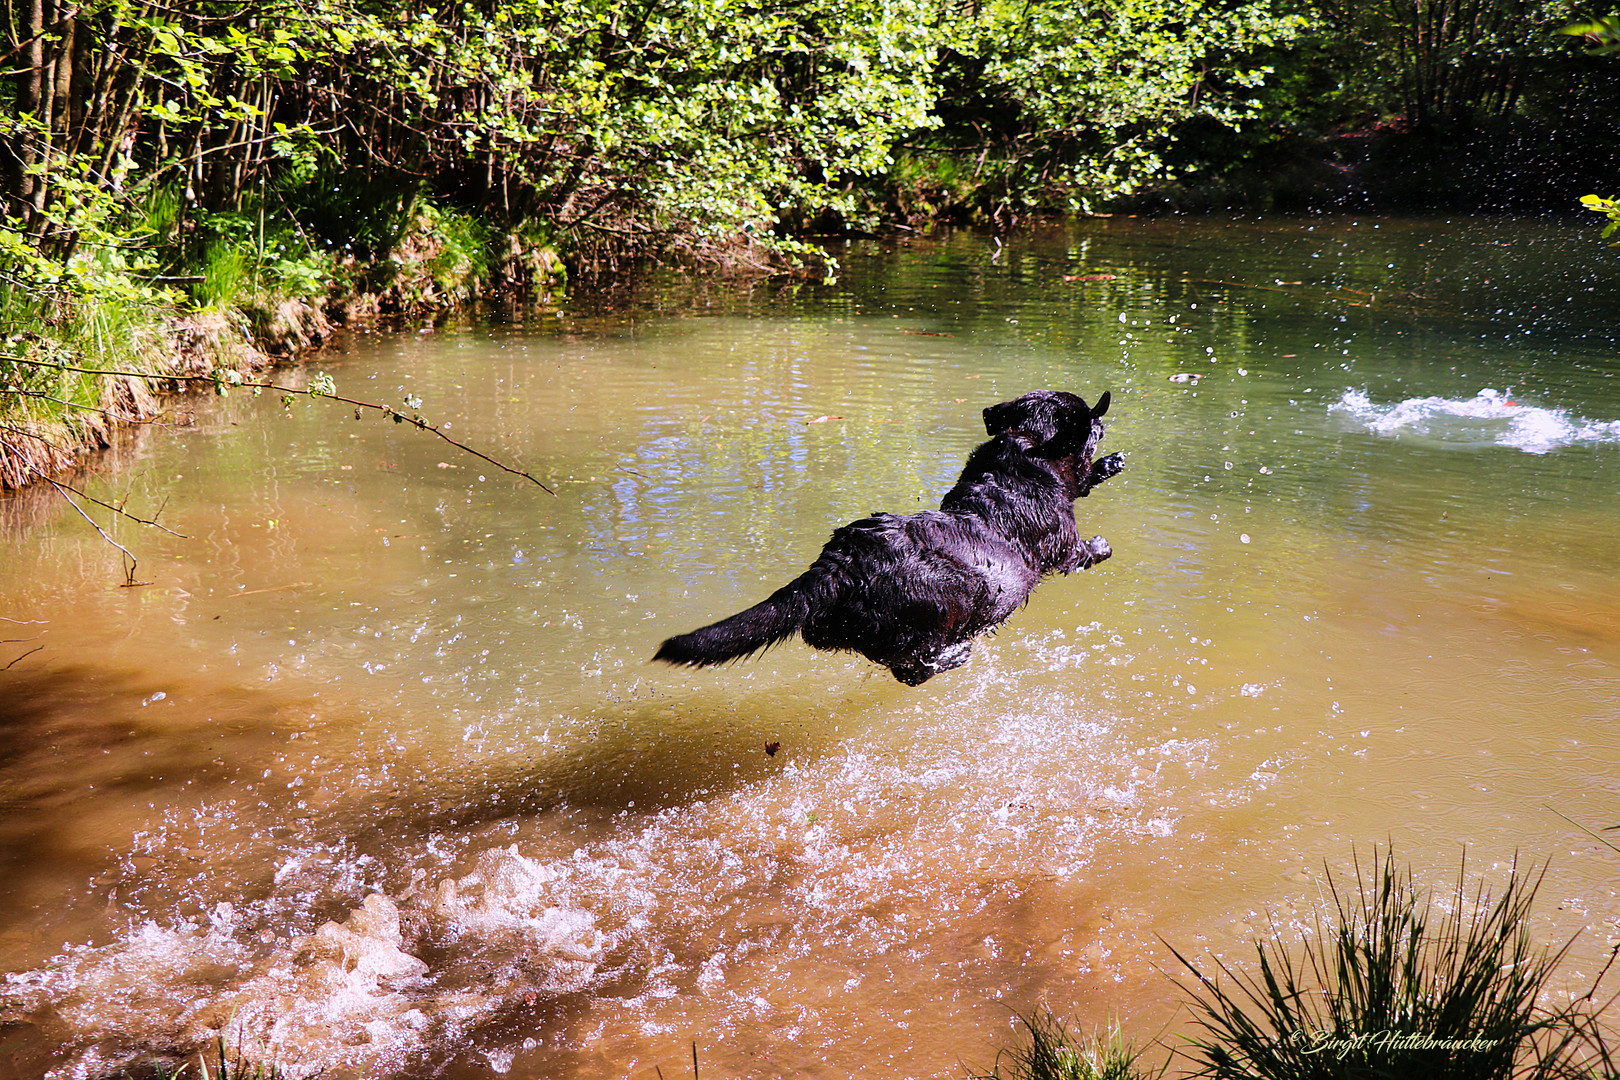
(1094, 551)
(1112, 465)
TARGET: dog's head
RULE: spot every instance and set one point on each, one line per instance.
(1051, 418)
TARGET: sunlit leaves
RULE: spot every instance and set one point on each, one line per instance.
(662, 123)
(1603, 35)
(1097, 88)
(1610, 208)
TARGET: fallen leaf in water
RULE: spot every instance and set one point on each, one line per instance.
(1088, 277)
(923, 333)
(771, 748)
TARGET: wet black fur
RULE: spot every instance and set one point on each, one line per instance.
(912, 592)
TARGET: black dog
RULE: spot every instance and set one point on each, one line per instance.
(912, 592)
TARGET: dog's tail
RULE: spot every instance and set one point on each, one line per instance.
(765, 624)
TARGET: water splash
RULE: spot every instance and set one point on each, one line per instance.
(348, 997)
(1488, 418)
(714, 913)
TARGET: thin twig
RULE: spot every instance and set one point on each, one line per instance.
(120, 511)
(273, 588)
(72, 12)
(387, 410)
(108, 413)
(15, 430)
(129, 573)
(24, 656)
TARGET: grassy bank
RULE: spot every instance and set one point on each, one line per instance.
(217, 301)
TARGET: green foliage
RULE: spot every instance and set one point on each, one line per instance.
(463, 258)
(673, 127)
(1072, 104)
(1609, 208)
(1050, 1052)
(226, 274)
(1601, 35)
(1399, 984)
(1442, 62)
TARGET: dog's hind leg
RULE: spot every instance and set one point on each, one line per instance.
(914, 671)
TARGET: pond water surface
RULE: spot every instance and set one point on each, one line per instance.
(1363, 592)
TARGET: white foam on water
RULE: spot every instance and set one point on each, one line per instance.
(1487, 418)
(349, 996)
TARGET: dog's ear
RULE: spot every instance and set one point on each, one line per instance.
(1102, 406)
(999, 418)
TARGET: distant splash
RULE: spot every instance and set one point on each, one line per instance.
(1487, 418)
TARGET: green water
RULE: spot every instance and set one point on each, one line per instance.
(1352, 601)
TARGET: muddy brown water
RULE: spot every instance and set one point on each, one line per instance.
(1355, 599)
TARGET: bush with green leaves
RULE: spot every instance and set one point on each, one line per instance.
(1069, 105)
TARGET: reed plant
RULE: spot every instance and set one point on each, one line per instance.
(1397, 982)
(226, 1065)
(1049, 1051)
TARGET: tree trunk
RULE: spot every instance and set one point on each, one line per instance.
(40, 185)
(20, 149)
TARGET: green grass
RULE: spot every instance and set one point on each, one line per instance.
(229, 276)
(1049, 1051)
(224, 1065)
(99, 333)
(1390, 973)
(463, 260)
